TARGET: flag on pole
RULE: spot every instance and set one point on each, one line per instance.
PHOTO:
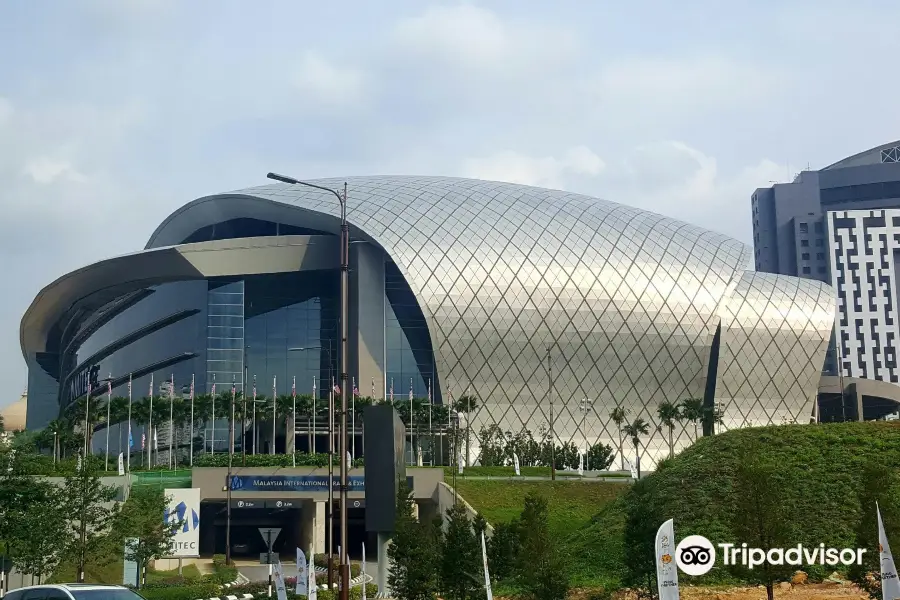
(312, 592)
(294, 387)
(349, 458)
(460, 462)
(666, 571)
(213, 392)
(155, 440)
(516, 464)
(410, 389)
(78, 465)
(280, 590)
(121, 464)
(143, 441)
(580, 463)
(890, 586)
(337, 389)
(373, 387)
(302, 576)
(392, 389)
(487, 576)
(130, 437)
(355, 389)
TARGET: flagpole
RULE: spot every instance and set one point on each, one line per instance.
(275, 412)
(108, 403)
(412, 459)
(150, 441)
(212, 443)
(294, 419)
(312, 432)
(171, 420)
(430, 432)
(253, 421)
(353, 391)
(192, 421)
(130, 440)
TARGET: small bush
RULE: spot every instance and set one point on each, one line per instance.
(182, 592)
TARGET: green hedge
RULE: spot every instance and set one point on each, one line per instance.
(181, 592)
(303, 459)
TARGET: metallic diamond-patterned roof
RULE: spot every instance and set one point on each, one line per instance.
(626, 301)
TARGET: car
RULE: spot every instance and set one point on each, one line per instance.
(73, 591)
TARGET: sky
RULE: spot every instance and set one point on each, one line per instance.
(113, 113)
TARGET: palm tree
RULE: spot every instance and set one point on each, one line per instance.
(635, 430)
(305, 409)
(692, 411)
(618, 415)
(669, 414)
(284, 409)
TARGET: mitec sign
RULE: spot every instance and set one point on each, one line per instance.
(79, 384)
(184, 509)
(302, 483)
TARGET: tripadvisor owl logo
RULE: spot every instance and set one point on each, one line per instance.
(695, 555)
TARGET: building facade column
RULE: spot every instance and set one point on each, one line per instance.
(367, 298)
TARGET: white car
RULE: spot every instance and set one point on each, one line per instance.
(73, 591)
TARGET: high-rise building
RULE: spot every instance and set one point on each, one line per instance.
(836, 225)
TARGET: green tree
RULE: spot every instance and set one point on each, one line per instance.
(876, 487)
(692, 412)
(460, 564)
(635, 430)
(600, 457)
(142, 518)
(503, 549)
(641, 522)
(91, 512)
(414, 553)
(541, 569)
(761, 516)
(619, 415)
(669, 414)
(35, 547)
(21, 502)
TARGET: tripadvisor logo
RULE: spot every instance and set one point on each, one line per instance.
(695, 555)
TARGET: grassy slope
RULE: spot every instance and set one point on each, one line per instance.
(819, 479)
(573, 506)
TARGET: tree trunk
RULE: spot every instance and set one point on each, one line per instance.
(637, 458)
(621, 450)
(770, 590)
(671, 443)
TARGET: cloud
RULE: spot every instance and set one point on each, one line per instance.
(6, 111)
(477, 41)
(675, 179)
(547, 171)
(327, 84)
(47, 170)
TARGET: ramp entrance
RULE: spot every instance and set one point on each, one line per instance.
(247, 543)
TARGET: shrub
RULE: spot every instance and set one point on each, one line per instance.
(182, 592)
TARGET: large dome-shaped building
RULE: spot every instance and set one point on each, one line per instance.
(539, 303)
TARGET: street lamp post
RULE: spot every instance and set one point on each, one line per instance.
(552, 422)
(345, 309)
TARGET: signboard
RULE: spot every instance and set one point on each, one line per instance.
(247, 504)
(299, 483)
(281, 504)
(184, 508)
(130, 570)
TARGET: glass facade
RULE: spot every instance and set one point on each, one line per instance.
(409, 359)
(225, 334)
(290, 330)
(162, 334)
